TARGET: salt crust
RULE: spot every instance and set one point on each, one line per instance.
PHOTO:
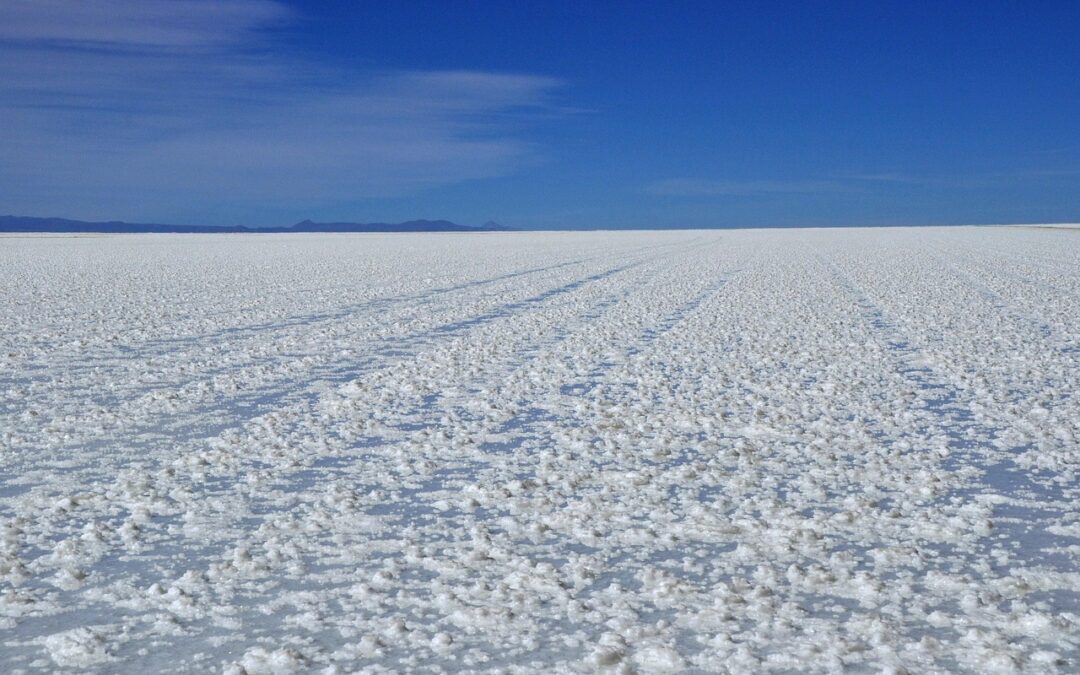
(739, 451)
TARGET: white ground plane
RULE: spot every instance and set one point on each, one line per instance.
(733, 451)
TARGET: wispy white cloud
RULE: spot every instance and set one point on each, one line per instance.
(109, 107)
(971, 181)
(148, 24)
(854, 182)
(699, 187)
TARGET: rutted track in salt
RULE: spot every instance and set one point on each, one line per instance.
(773, 451)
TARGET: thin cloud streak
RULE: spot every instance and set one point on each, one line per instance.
(698, 187)
(969, 181)
(147, 106)
(845, 183)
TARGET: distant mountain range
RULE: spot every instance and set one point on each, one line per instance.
(28, 224)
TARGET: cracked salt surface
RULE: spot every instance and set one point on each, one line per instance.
(785, 451)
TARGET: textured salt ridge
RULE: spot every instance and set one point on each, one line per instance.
(771, 451)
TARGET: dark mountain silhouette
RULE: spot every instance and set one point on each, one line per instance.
(408, 226)
(60, 225)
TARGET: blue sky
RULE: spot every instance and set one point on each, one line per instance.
(541, 114)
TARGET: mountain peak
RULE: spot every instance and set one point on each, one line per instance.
(29, 224)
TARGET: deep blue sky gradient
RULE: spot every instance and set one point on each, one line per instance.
(627, 114)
